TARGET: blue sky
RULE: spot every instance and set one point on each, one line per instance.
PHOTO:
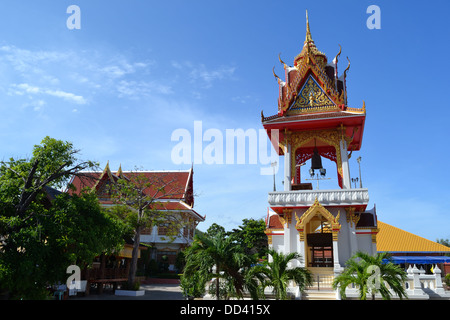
(138, 70)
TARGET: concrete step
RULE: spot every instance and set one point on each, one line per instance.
(322, 284)
(314, 294)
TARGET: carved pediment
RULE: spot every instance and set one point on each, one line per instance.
(312, 98)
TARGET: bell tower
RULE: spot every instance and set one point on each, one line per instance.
(314, 121)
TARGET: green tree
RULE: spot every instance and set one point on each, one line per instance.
(278, 274)
(138, 205)
(371, 274)
(41, 239)
(445, 242)
(53, 163)
(217, 256)
(214, 229)
(251, 237)
(83, 228)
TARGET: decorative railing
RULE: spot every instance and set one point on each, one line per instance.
(417, 286)
(423, 284)
(325, 197)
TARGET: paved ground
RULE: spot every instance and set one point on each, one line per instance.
(152, 292)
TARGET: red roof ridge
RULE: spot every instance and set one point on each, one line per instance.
(145, 171)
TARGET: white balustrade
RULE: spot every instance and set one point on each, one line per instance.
(335, 197)
(418, 285)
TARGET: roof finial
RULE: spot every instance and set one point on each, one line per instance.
(106, 167)
(282, 62)
(308, 31)
(275, 75)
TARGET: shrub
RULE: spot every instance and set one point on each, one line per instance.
(135, 287)
(152, 268)
(193, 286)
(447, 279)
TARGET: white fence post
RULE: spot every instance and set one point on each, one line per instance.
(439, 289)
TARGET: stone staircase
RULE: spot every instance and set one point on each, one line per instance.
(321, 288)
(322, 294)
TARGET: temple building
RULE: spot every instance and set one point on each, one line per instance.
(174, 191)
(314, 122)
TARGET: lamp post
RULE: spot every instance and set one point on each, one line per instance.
(273, 165)
(355, 180)
(359, 164)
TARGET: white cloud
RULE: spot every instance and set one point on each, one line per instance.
(209, 76)
(136, 89)
(118, 67)
(66, 95)
(242, 99)
(89, 72)
(25, 88)
(202, 74)
(93, 76)
(29, 63)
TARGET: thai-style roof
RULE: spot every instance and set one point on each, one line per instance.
(314, 95)
(393, 239)
(177, 194)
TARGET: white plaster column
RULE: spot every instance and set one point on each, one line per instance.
(301, 250)
(337, 267)
(287, 236)
(351, 225)
(287, 167)
(374, 244)
(346, 182)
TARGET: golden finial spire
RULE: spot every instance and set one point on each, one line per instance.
(119, 172)
(308, 31)
(107, 167)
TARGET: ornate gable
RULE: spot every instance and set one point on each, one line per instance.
(311, 98)
(103, 185)
(316, 209)
(312, 84)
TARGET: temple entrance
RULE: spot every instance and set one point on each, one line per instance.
(320, 249)
(319, 243)
(318, 234)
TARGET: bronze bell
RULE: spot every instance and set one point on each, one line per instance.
(316, 161)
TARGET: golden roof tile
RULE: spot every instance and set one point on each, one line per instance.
(393, 239)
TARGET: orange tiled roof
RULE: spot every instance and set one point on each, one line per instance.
(393, 239)
(273, 222)
(177, 181)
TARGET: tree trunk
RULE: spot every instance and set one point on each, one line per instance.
(134, 258)
(217, 282)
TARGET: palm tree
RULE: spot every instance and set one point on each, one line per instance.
(219, 257)
(371, 274)
(278, 274)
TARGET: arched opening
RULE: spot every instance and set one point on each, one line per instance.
(319, 241)
(318, 229)
(305, 151)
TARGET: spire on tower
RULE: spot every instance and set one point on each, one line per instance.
(308, 31)
(309, 48)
